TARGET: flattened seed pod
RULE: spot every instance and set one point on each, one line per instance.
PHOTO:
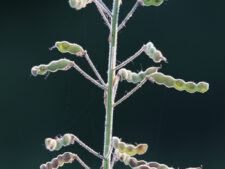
(79, 4)
(54, 66)
(142, 148)
(143, 167)
(153, 53)
(58, 143)
(129, 149)
(133, 77)
(59, 161)
(179, 84)
(203, 87)
(50, 144)
(67, 47)
(152, 2)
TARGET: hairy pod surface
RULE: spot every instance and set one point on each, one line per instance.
(148, 166)
(58, 143)
(54, 66)
(132, 77)
(179, 84)
(152, 2)
(129, 149)
(79, 4)
(153, 53)
(59, 161)
(67, 47)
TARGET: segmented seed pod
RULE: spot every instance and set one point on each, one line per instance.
(79, 4)
(132, 77)
(139, 164)
(59, 161)
(152, 2)
(179, 84)
(54, 66)
(153, 166)
(67, 47)
(129, 149)
(58, 143)
(128, 160)
(153, 53)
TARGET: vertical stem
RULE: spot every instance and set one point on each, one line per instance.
(111, 76)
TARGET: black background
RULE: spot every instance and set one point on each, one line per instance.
(182, 129)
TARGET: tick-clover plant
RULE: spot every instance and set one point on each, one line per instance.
(114, 149)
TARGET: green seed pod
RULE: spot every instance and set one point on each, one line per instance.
(58, 143)
(203, 87)
(179, 84)
(54, 66)
(66, 47)
(79, 4)
(191, 87)
(153, 53)
(132, 77)
(129, 149)
(152, 2)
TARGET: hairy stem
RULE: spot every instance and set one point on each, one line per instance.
(111, 76)
(131, 58)
(88, 76)
(103, 7)
(103, 16)
(94, 68)
(129, 15)
(131, 92)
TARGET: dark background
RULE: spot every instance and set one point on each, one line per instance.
(182, 129)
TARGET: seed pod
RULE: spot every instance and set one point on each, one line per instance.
(67, 47)
(58, 143)
(152, 2)
(54, 66)
(153, 53)
(179, 84)
(59, 161)
(128, 160)
(144, 167)
(132, 77)
(79, 4)
(129, 149)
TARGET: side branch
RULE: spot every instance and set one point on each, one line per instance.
(103, 15)
(129, 15)
(82, 163)
(88, 76)
(103, 7)
(76, 139)
(131, 92)
(131, 58)
(94, 68)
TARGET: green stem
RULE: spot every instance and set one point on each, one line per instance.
(111, 76)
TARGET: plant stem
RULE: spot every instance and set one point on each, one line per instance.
(111, 76)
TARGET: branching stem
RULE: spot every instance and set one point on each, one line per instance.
(88, 76)
(111, 76)
(131, 58)
(131, 92)
(103, 15)
(103, 7)
(81, 162)
(129, 15)
(82, 144)
(94, 68)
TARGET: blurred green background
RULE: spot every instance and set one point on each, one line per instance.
(182, 129)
